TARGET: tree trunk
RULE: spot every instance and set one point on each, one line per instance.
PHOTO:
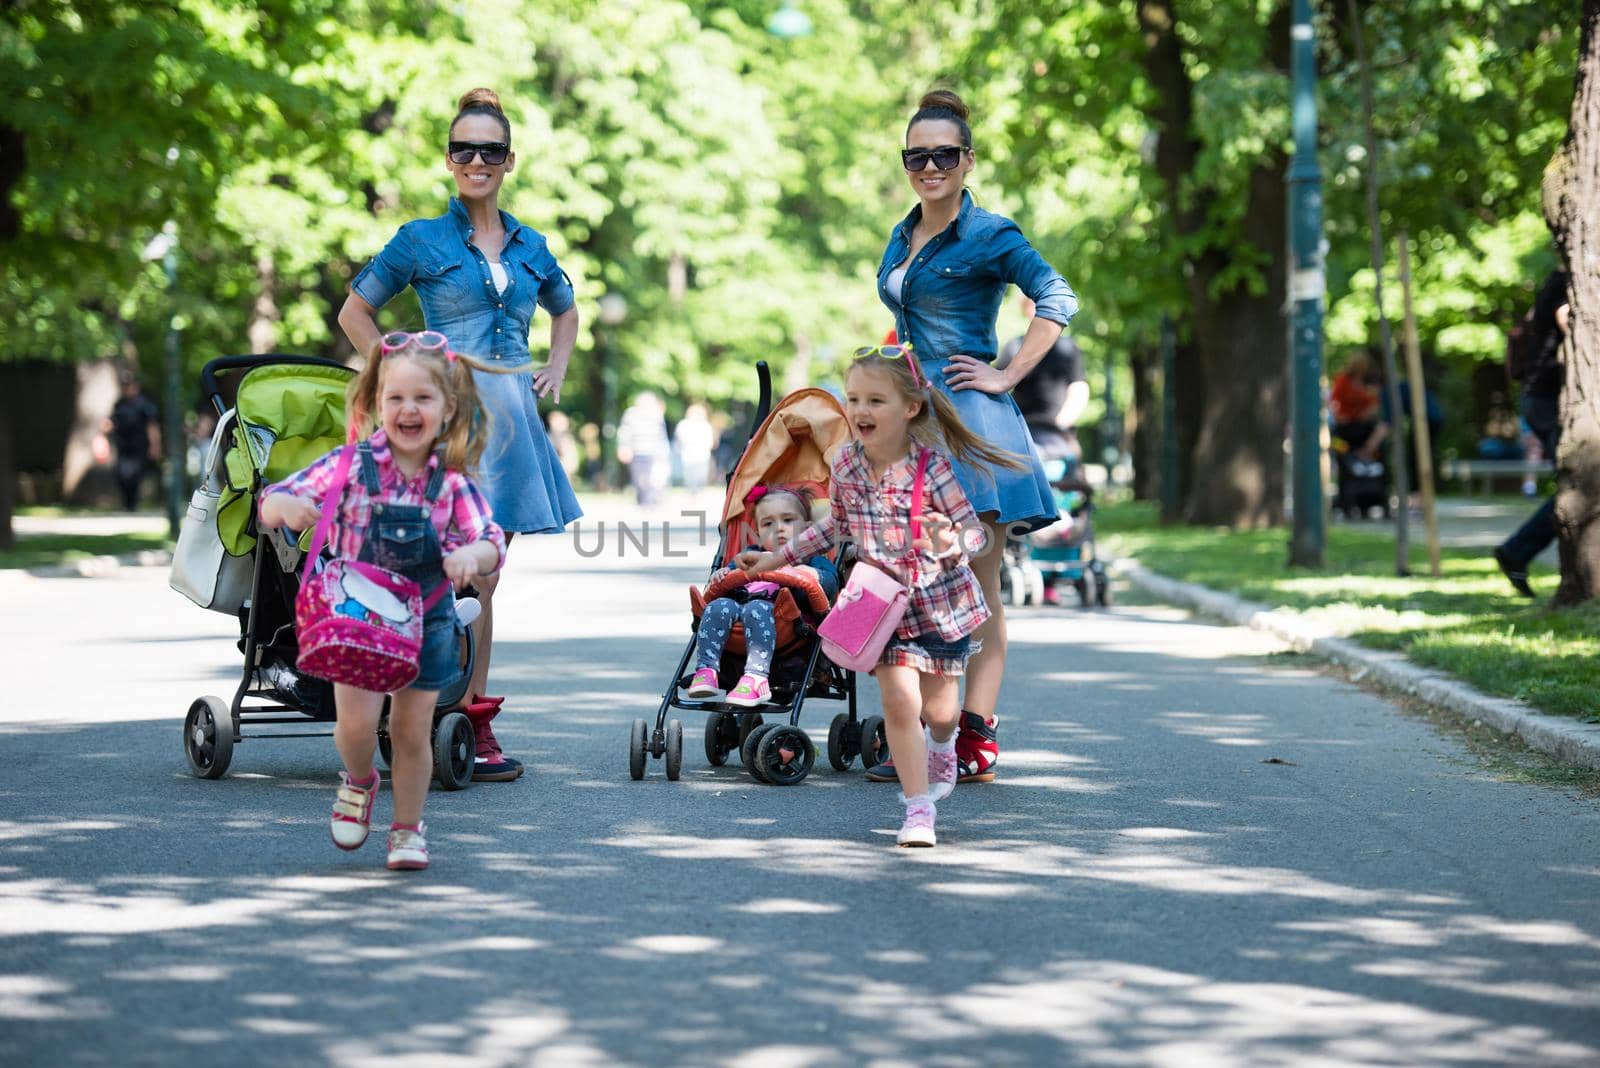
(1231, 374)
(1144, 420)
(1236, 470)
(264, 316)
(8, 484)
(1572, 201)
(13, 161)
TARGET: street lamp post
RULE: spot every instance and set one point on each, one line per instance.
(164, 247)
(1306, 284)
(613, 310)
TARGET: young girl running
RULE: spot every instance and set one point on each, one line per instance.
(780, 513)
(893, 417)
(420, 396)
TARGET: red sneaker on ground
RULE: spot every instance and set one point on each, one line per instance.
(977, 748)
(490, 765)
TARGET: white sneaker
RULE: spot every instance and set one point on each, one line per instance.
(408, 849)
(917, 830)
(352, 812)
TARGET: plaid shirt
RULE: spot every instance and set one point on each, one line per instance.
(945, 596)
(460, 513)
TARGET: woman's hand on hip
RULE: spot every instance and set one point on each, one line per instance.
(969, 372)
(547, 381)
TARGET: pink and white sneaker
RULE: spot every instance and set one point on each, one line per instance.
(352, 811)
(941, 774)
(917, 830)
(408, 849)
(704, 683)
(752, 690)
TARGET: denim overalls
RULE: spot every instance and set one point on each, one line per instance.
(401, 538)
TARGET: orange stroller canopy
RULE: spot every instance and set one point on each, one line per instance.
(794, 446)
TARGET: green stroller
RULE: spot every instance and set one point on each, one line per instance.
(286, 411)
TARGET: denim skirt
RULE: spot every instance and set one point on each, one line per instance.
(520, 473)
(930, 654)
(1021, 497)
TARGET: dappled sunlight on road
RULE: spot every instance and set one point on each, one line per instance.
(1138, 886)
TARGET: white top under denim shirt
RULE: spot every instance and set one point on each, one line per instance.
(950, 295)
(520, 473)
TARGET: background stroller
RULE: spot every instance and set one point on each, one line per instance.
(1064, 551)
(792, 445)
(1360, 484)
(286, 412)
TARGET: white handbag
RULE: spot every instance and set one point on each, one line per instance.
(202, 568)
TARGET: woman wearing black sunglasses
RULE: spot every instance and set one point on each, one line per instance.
(943, 276)
(480, 276)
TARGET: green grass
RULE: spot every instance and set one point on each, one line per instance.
(1466, 622)
(41, 550)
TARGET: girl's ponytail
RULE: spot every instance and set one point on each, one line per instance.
(963, 444)
(467, 433)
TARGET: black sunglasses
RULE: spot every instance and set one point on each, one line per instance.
(492, 152)
(945, 157)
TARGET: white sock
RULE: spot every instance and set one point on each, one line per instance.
(922, 799)
(946, 746)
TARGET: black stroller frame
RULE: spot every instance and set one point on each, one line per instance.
(213, 727)
(777, 753)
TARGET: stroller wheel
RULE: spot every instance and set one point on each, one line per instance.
(722, 736)
(455, 747)
(1102, 589)
(874, 743)
(385, 743)
(752, 745)
(1036, 587)
(636, 743)
(208, 737)
(747, 727)
(785, 755)
(1086, 588)
(674, 749)
(841, 750)
(1016, 586)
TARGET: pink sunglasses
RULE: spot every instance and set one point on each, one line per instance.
(426, 340)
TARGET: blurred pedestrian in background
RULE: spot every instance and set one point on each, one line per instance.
(643, 446)
(692, 440)
(134, 429)
(1543, 377)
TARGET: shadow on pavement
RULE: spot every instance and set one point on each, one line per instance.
(1138, 887)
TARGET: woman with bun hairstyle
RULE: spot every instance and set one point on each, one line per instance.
(480, 276)
(943, 275)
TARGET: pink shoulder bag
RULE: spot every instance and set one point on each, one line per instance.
(358, 623)
(872, 603)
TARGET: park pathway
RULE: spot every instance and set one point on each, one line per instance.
(1201, 851)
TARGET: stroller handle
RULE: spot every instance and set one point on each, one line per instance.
(208, 375)
(764, 404)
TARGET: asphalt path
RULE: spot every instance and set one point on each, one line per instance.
(1199, 851)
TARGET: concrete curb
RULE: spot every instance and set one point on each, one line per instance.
(1568, 740)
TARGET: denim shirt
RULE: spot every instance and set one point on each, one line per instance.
(451, 276)
(952, 290)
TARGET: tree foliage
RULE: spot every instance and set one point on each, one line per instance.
(736, 188)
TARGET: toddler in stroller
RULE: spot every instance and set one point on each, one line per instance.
(781, 512)
(719, 672)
